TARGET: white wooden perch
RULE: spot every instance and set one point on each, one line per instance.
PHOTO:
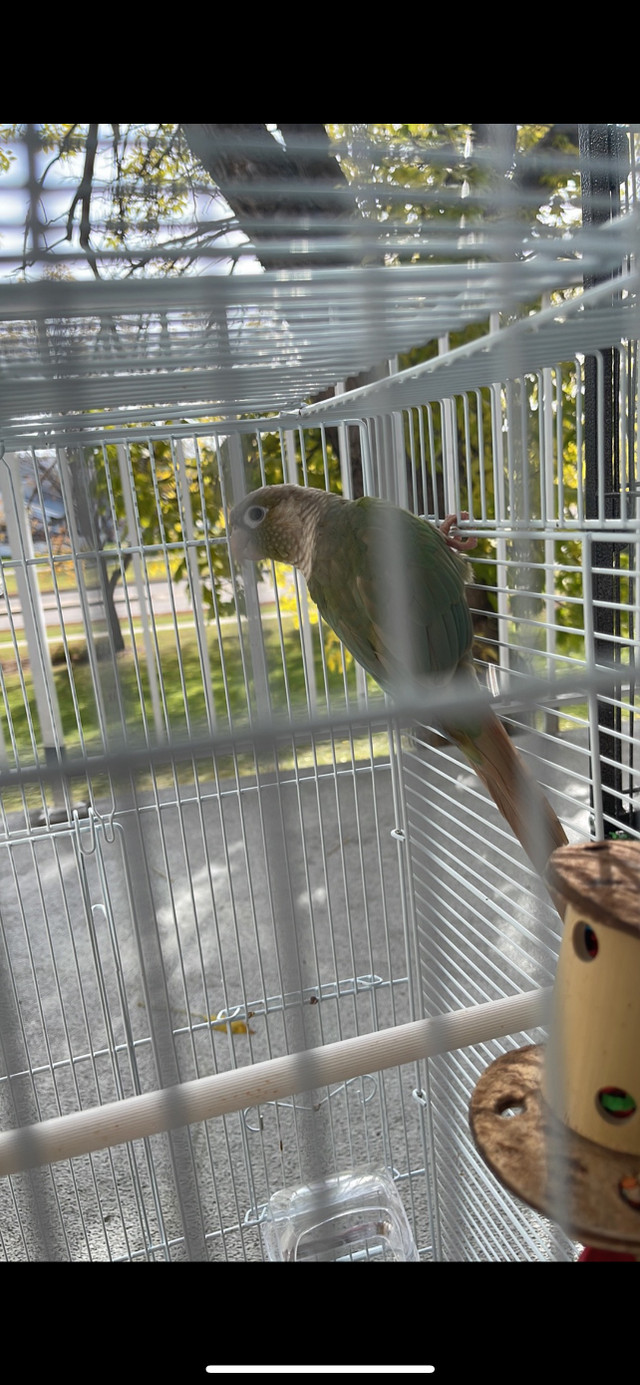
(118, 1122)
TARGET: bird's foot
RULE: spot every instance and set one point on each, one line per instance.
(453, 539)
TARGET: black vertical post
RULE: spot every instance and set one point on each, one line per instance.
(600, 183)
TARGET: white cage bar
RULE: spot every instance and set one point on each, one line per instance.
(220, 844)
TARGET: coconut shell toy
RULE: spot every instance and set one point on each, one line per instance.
(559, 1124)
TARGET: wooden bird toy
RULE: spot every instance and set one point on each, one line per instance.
(559, 1124)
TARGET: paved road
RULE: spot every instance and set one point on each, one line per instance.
(165, 597)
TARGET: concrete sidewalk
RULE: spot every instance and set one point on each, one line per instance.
(165, 598)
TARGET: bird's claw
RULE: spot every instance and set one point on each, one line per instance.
(455, 540)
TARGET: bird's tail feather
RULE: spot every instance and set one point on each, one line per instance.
(513, 789)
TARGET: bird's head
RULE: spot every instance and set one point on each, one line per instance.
(278, 522)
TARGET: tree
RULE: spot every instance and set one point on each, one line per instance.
(279, 192)
(160, 198)
(170, 199)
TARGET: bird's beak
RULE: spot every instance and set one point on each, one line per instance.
(239, 543)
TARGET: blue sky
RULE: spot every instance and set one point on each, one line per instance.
(61, 184)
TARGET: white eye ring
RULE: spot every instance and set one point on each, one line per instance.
(255, 515)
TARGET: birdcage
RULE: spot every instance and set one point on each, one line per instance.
(262, 926)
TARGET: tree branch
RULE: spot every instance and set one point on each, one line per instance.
(83, 198)
(261, 182)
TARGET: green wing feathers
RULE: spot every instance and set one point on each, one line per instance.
(393, 591)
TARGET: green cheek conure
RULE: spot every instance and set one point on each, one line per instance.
(392, 588)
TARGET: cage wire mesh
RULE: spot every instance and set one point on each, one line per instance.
(221, 843)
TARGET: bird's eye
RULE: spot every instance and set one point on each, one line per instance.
(255, 515)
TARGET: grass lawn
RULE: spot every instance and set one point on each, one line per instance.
(125, 691)
(65, 573)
